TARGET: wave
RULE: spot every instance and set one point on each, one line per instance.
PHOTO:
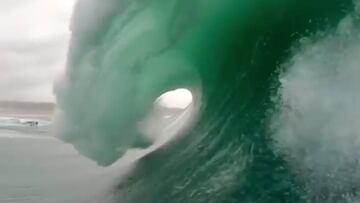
(12, 121)
(29, 125)
(274, 91)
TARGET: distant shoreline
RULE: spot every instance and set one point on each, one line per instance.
(43, 110)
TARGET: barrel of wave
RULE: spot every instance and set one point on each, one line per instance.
(123, 59)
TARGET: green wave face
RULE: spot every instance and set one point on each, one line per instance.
(126, 53)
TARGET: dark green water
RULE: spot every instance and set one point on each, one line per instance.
(231, 52)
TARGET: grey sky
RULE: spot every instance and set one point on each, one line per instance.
(34, 37)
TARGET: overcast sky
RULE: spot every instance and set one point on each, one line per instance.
(34, 37)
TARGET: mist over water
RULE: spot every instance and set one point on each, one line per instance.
(317, 126)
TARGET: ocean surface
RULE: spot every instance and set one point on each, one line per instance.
(37, 168)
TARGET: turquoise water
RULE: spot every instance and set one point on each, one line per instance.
(275, 95)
